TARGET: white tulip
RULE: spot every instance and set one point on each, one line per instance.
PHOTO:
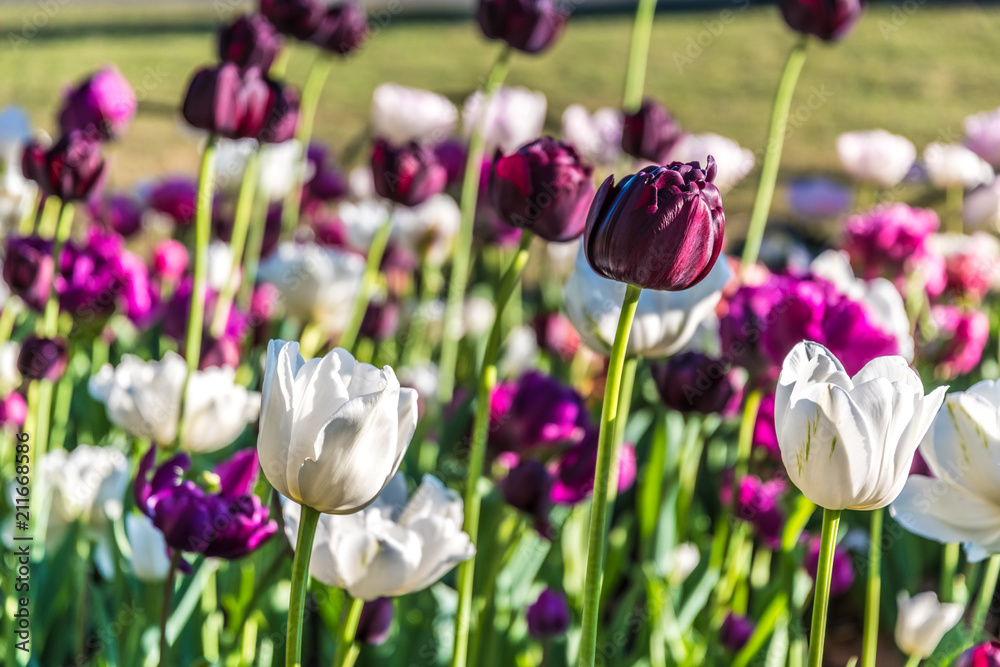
(401, 114)
(847, 443)
(597, 136)
(361, 183)
(393, 547)
(362, 219)
(732, 160)
(150, 562)
(10, 376)
(520, 352)
(982, 135)
(216, 410)
(429, 229)
(981, 207)
(961, 503)
(231, 158)
(478, 314)
(88, 484)
(679, 563)
(332, 430)
(954, 165)
(220, 265)
(922, 621)
(281, 167)
(876, 156)
(515, 116)
(664, 321)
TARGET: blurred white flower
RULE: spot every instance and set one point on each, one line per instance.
(362, 220)
(150, 562)
(664, 321)
(813, 199)
(87, 484)
(17, 193)
(982, 135)
(402, 114)
(679, 563)
(514, 117)
(279, 167)
(520, 352)
(478, 314)
(430, 229)
(393, 547)
(360, 183)
(922, 621)
(220, 264)
(732, 160)
(10, 376)
(432, 314)
(216, 409)
(597, 136)
(981, 208)
(421, 377)
(954, 164)
(876, 156)
(333, 431)
(549, 262)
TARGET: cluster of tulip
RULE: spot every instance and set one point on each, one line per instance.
(621, 434)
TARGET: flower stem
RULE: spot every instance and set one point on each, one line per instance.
(347, 648)
(873, 592)
(168, 594)
(311, 93)
(463, 246)
(50, 325)
(477, 452)
(300, 584)
(638, 55)
(375, 252)
(772, 152)
(202, 235)
(255, 243)
(744, 445)
(597, 540)
(986, 590)
(913, 661)
(949, 564)
(954, 196)
(821, 598)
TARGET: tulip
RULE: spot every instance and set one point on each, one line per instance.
(527, 487)
(982, 135)
(315, 418)
(892, 241)
(531, 26)
(489, 228)
(42, 358)
(733, 161)
(536, 411)
(72, 169)
(140, 299)
(847, 443)
(679, 563)
(391, 548)
(295, 18)
(216, 410)
(176, 198)
(736, 631)
(409, 174)
(342, 29)
(250, 41)
(401, 115)
(544, 187)
(597, 136)
(981, 207)
(548, 616)
(574, 472)
(381, 320)
(87, 484)
(758, 505)
(119, 213)
(955, 165)
(842, 576)
(876, 156)
(375, 622)
(812, 199)
(150, 560)
(430, 229)
(971, 262)
(962, 335)
(103, 104)
(170, 259)
(829, 20)
(94, 277)
(695, 382)
(671, 244)
(28, 269)
(555, 333)
(452, 154)
(650, 133)
(922, 621)
(986, 654)
(13, 410)
(514, 117)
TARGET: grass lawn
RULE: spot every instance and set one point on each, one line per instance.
(917, 74)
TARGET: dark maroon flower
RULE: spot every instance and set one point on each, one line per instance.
(250, 41)
(13, 410)
(330, 232)
(527, 487)
(842, 576)
(531, 26)
(175, 197)
(695, 382)
(409, 174)
(342, 29)
(42, 358)
(827, 19)
(574, 472)
(375, 622)
(452, 154)
(544, 187)
(27, 269)
(548, 616)
(295, 18)
(119, 213)
(92, 278)
(661, 228)
(179, 309)
(555, 333)
(650, 133)
(986, 654)
(380, 320)
(72, 169)
(490, 229)
(536, 411)
(102, 106)
(736, 631)
(282, 114)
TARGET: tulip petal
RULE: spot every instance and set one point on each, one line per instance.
(277, 411)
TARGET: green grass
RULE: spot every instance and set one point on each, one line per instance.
(918, 75)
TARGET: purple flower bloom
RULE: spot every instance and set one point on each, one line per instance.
(829, 20)
(170, 259)
(118, 213)
(548, 616)
(736, 631)
(72, 169)
(661, 228)
(650, 133)
(556, 334)
(574, 472)
(842, 576)
(536, 411)
(92, 277)
(764, 434)
(527, 487)
(818, 198)
(531, 26)
(758, 505)
(342, 29)
(13, 410)
(375, 623)
(986, 654)
(179, 309)
(295, 18)
(695, 382)
(490, 229)
(175, 197)
(962, 335)
(28, 269)
(451, 154)
(103, 105)
(141, 299)
(409, 174)
(42, 358)
(380, 320)
(250, 41)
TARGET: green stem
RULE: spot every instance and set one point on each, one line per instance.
(63, 401)
(255, 243)
(83, 558)
(949, 565)
(692, 447)
(986, 590)
(597, 539)
(873, 593)
(775, 610)
(50, 217)
(347, 648)
(8, 317)
(954, 196)
(463, 246)
(651, 490)
(50, 325)
(241, 225)
(744, 445)
(638, 55)
(913, 661)
(43, 415)
(772, 152)
(168, 594)
(300, 584)
(26, 225)
(477, 452)
(375, 252)
(311, 93)
(202, 235)
(821, 598)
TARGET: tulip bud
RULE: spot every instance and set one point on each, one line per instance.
(375, 622)
(71, 169)
(408, 174)
(102, 105)
(250, 41)
(695, 382)
(544, 187)
(650, 133)
(531, 26)
(922, 622)
(736, 631)
(118, 213)
(28, 269)
(42, 358)
(827, 19)
(342, 29)
(295, 18)
(661, 228)
(527, 487)
(986, 654)
(549, 615)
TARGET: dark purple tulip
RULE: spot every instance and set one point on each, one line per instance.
(295, 18)
(527, 487)
(282, 114)
(661, 228)
(986, 654)
(736, 631)
(102, 106)
(375, 622)
(827, 19)
(119, 213)
(574, 473)
(380, 320)
(695, 382)
(13, 410)
(179, 309)
(490, 229)
(176, 198)
(140, 299)
(92, 278)
(758, 505)
(42, 358)
(72, 169)
(544, 187)
(28, 268)
(409, 174)
(342, 29)
(227, 523)
(650, 133)
(531, 26)
(843, 569)
(536, 411)
(555, 333)
(452, 154)
(250, 41)
(548, 616)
